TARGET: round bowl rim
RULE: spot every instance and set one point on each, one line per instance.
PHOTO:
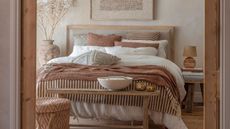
(121, 78)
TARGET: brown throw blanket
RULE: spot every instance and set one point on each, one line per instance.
(149, 73)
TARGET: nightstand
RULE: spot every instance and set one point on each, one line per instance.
(192, 77)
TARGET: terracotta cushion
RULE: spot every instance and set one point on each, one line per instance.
(102, 40)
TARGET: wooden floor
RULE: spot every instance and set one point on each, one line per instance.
(194, 120)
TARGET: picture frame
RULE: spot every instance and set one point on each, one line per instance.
(141, 10)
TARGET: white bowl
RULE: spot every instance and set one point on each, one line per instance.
(115, 82)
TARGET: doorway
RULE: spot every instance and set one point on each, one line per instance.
(211, 63)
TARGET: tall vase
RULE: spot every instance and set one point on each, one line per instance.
(48, 51)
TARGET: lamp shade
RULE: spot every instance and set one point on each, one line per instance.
(190, 51)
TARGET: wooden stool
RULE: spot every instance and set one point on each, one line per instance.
(190, 87)
(191, 79)
(52, 113)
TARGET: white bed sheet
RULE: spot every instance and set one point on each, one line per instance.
(130, 113)
(124, 113)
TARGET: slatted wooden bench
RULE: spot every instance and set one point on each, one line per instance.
(145, 95)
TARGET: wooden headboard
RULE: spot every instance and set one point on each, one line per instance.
(166, 33)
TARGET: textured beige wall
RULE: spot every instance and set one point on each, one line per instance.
(4, 64)
(186, 15)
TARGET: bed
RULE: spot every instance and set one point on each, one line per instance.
(170, 117)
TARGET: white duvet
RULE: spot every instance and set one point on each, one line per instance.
(130, 113)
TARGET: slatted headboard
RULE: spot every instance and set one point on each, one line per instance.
(166, 33)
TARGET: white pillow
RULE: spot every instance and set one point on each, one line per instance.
(78, 50)
(60, 60)
(161, 49)
(132, 51)
(96, 58)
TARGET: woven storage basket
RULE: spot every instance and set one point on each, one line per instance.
(52, 113)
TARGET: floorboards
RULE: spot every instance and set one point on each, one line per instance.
(193, 120)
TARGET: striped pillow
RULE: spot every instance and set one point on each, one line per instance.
(143, 36)
(96, 58)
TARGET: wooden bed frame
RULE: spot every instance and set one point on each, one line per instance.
(167, 33)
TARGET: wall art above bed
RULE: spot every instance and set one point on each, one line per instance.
(122, 9)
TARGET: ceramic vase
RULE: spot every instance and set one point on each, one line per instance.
(47, 51)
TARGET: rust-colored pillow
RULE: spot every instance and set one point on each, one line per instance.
(102, 40)
(135, 44)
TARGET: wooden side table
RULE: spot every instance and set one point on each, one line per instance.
(191, 79)
(145, 95)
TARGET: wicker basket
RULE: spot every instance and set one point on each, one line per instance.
(52, 113)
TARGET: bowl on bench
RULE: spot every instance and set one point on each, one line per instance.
(115, 82)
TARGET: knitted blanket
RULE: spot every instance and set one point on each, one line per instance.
(83, 76)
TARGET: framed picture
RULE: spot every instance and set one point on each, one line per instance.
(122, 9)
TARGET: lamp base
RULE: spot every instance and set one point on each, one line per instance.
(189, 62)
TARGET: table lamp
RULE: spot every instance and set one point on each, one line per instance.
(189, 54)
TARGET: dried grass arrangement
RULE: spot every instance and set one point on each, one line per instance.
(50, 13)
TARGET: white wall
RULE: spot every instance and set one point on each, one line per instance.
(186, 15)
(4, 64)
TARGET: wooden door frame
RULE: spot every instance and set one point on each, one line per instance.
(212, 64)
(28, 64)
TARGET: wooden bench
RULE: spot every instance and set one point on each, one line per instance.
(145, 95)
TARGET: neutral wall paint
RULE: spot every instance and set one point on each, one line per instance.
(186, 15)
(225, 63)
(4, 64)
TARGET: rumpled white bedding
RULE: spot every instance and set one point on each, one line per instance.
(131, 113)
